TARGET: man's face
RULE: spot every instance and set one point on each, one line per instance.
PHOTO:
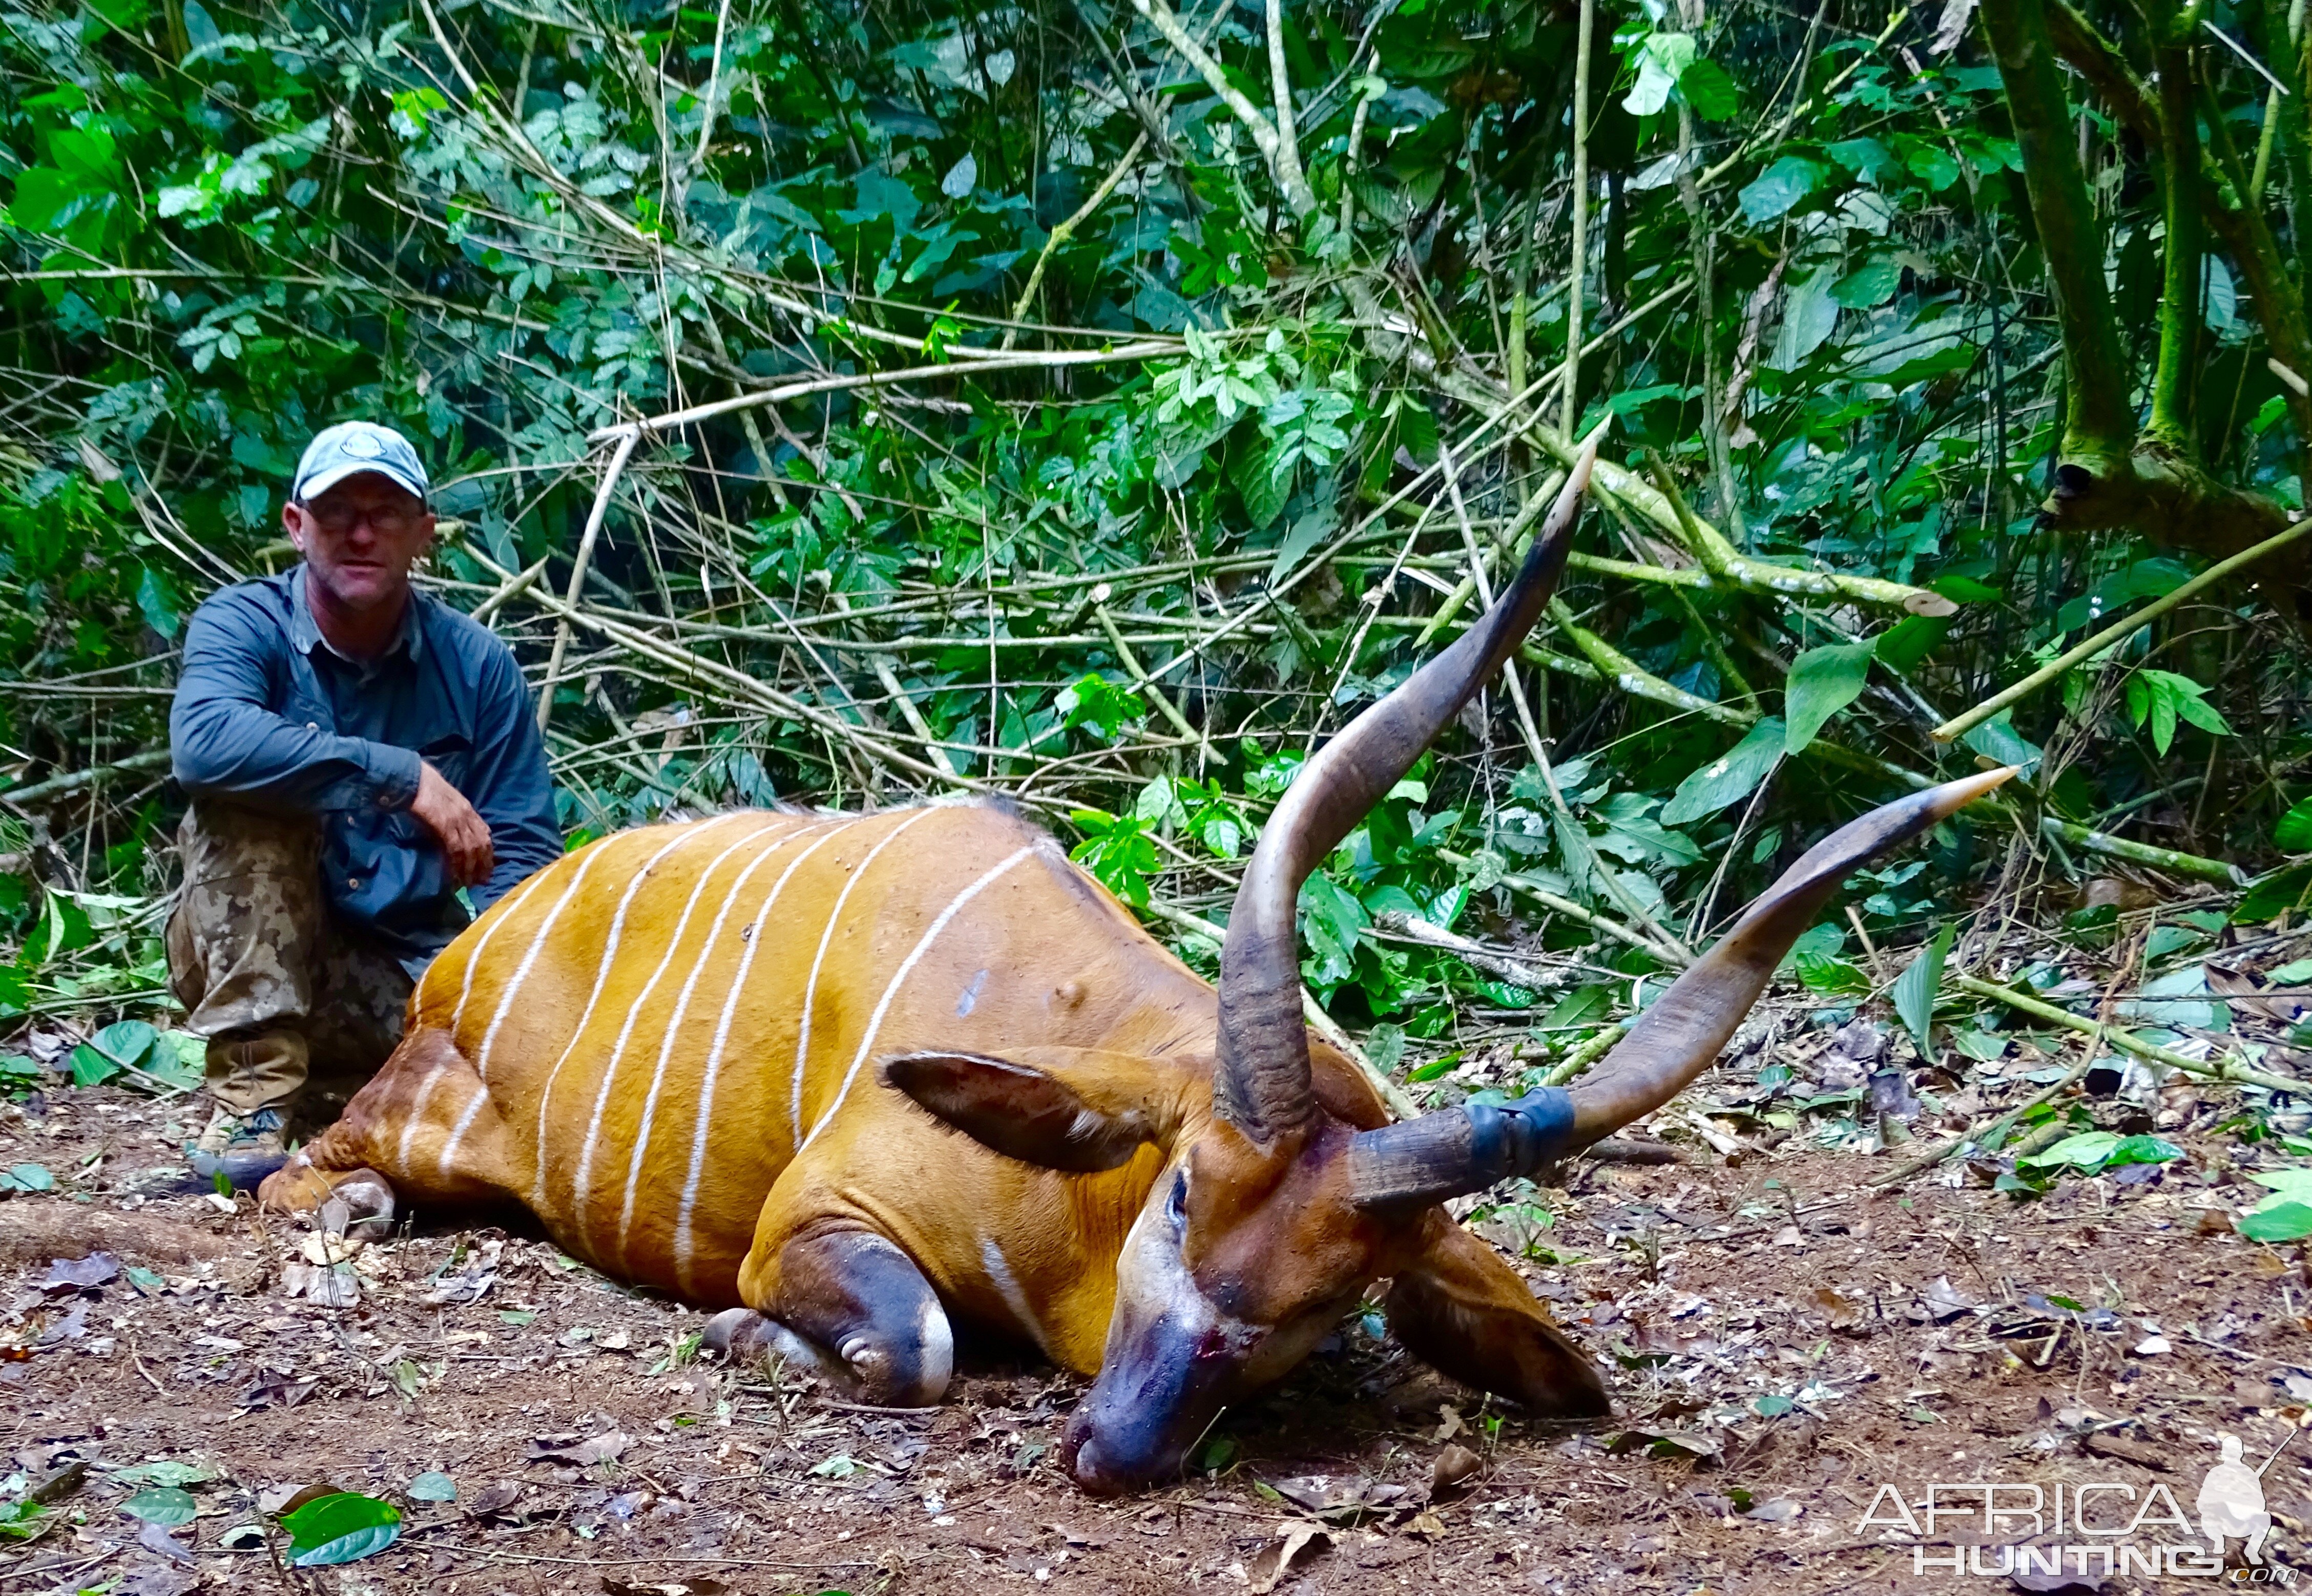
(360, 539)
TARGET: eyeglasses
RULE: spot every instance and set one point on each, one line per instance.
(338, 520)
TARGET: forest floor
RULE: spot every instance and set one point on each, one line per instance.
(1782, 1341)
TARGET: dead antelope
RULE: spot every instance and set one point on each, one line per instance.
(729, 1059)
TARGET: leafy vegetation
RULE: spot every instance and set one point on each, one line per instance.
(1099, 405)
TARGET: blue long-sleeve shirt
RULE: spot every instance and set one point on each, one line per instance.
(268, 714)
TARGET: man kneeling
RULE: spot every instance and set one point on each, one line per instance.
(356, 752)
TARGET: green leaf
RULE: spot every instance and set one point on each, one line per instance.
(158, 601)
(1303, 534)
(2288, 1220)
(1869, 285)
(1822, 681)
(1729, 779)
(28, 1177)
(2142, 1149)
(168, 1471)
(1997, 739)
(1902, 646)
(2294, 832)
(433, 1486)
(1710, 90)
(1662, 59)
(1779, 188)
(343, 1528)
(163, 1505)
(1773, 1405)
(2086, 1150)
(1915, 988)
(2274, 894)
(1262, 489)
(1828, 974)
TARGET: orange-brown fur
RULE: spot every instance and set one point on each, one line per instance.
(1042, 957)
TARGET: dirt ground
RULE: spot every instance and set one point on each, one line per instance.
(1780, 1341)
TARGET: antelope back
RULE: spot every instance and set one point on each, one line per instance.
(670, 1017)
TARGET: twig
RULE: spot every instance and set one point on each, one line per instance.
(1568, 392)
(2143, 853)
(2219, 1070)
(1029, 360)
(1066, 231)
(73, 781)
(1572, 910)
(1587, 1054)
(1959, 725)
(595, 516)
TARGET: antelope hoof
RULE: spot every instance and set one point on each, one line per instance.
(746, 1337)
(368, 1207)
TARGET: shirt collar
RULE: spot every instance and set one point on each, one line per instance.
(305, 633)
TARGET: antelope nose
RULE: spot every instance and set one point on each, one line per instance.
(1081, 1456)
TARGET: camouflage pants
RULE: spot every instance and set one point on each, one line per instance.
(282, 992)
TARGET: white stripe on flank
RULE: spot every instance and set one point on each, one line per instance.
(510, 907)
(586, 863)
(706, 950)
(582, 1185)
(1007, 1286)
(906, 966)
(810, 987)
(465, 1121)
(700, 1122)
(686, 835)
(416, 1113)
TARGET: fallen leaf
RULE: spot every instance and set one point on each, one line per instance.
(327, 1286)
(1781, 1509)
(1945, 1301)
(1843, 1314)
(1455, 1467)
(579, 1452)
(2152, 1347)
(1664, 1444)
(1337, 1498)
(1449, 1422)
(468, 1285)
(493, 1500)
(155, 1537)
(158, 1579)
(1295, 1540)
(72, 1327)
(288, 1496)
(275, 1389)
(325, 1249)
(80, 1274)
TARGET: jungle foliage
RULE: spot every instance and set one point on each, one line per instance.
(1106, 403)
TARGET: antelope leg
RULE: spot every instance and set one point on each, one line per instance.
(424, 1130)
(852, 1305)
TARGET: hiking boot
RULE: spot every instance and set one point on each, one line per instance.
(244, 1147)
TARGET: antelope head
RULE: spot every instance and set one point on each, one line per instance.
(1275, 1209)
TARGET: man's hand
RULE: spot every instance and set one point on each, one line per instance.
(464, 835)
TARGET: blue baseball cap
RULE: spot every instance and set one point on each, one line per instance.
(351, 448)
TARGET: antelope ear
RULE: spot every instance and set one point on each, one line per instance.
(1467, 1314)
(1081, 1110)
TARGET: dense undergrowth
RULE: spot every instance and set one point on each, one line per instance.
(1258, 322)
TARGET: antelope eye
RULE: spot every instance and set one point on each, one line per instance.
(1176, 1202)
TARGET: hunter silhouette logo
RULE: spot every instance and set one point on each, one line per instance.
(2231, 1501)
